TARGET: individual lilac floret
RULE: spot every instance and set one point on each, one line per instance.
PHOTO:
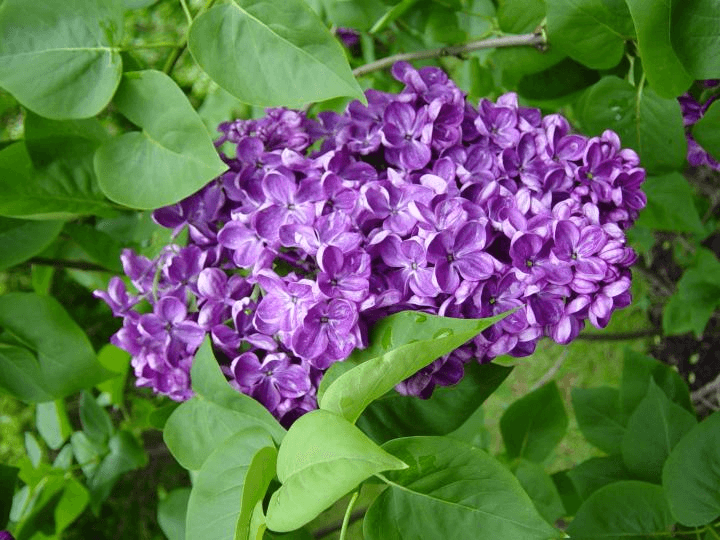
(692, 112)
(417, 201)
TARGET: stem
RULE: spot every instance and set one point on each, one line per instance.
(522, 40)
(620, 336)
(62, 264)
(179, 49)
(141, 46)
(346, 519)
(186, 9)
(712, 531)
(329, 529)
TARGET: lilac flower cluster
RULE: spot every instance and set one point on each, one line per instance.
(417, 201)
(693, 111)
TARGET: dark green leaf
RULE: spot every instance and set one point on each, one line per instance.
(49, 140)
(452, 491)
(8, 479)
(53, 423)
(670, 205)
(65, 360)
(261, 471)
(520, 17)
(695, 36)
(95, 420)
(322, 457)
(172, 512)
(691, 475)
(653, 430)
(637, 371)
(568, 493)
(170, 159)
(60, 59)
(557, 81)
(295, 60)
(541, 489)
(592, 32)
(650, 124)
(64, 189)
(591, 475)
(158, 417)
(99, 246)
(534, 425)
(353, 14)
(599, 418)
(22, 239)
(661, 65)
(707, 133)
(395, 354)
(214, 505)
(622, 510)
(395, 415)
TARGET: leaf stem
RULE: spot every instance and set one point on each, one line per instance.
(713, 532)
(180, 48)
(536, 39)
(348, 512)
(186, 9)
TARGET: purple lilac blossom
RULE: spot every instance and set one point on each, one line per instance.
(693, 111)
(417, 201)
(5, 535)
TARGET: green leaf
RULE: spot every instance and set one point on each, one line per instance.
(534, 425)
(695, 36)
(541, 489)
(559, 80)
(599, 418)
(353, 14)
(51, 140)
(638, 369)
(394, 354)
(87, 454)
(653, 430)
(172, 512)
(593, 32)
(270, 54)
(322, 457)
(214, 505)
(60, 59)
(64, 189)
(22, 239)
(670, 205)
(568, 493)
(591, 475)
(664, 70)
(453, 491)
(170, 159)
(706, 131)
(65, 361)
(99, 246)
(696, 298)
(71, 504)
(260, 473)
(622, 510)
(52, 423)
(126, 454)
(217, 412)
(8, 479)
(32, 449)
(118, 362)
(648, 123)
(64, 458)
(395, 415)
(95, 420)
(691, 475)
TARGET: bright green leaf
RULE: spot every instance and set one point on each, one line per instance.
(87, 454)
(541, 489)
(598, 415)
(32, 449)
(60, 59)
(622, 510)
(170, 159)
(65, 361)
(52, 423)
(117, 361)
(22, 239)
(394, 354)
(670, 205)
(172, 513)
(649, 124)
(534, 425)
(593, 32)
(591, 475)
(452, 491)
(664, 70)
(322, 457)
(691, 475)
(653, 430)
(707, 130)
(8, 479)
(395, 415)
(274, 53)
(695, 36)
(260, 473)
(71, 504)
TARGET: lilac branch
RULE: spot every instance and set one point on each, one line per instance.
(536, 39)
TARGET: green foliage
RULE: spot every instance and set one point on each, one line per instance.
(705, 131)
(695, 37)
(22, 239)
(670, 205)
(598, 416)
(171, 513)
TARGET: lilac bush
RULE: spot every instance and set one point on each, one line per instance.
(417, 201)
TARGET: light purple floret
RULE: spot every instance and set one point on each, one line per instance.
(417, 201)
